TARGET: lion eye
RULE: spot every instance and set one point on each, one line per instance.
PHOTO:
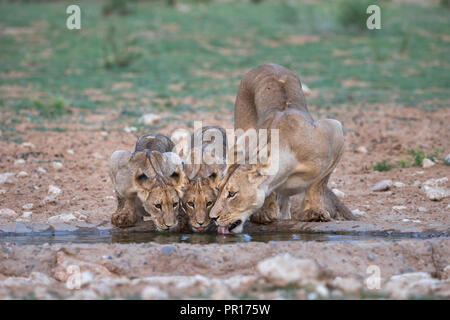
(208, 204)
(158, 206)
(175, 204)
(231, 194)
(191, 204)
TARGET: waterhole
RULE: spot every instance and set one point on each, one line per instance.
(195, 238)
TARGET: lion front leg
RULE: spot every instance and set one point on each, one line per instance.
(314, 205)
(268, 212)
(125, 215)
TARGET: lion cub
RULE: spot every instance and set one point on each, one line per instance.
(203, 178)
(151, 177)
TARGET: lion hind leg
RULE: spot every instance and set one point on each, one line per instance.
(268, 213)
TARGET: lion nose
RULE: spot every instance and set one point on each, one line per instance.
(200, 223)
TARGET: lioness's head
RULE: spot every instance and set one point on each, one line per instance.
(161, 194)
(198, 199)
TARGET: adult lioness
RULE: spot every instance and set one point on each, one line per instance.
(151, 177)
(271, 97)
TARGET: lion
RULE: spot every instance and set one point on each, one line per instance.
(152, 178)
(271, 97)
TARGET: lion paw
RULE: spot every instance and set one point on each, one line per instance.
(123, 219)
(316, 215)
(263, 217)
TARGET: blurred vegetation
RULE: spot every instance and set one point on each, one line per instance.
(200, 49)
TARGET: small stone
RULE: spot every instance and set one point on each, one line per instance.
(27, 214)
(104, 133)
(54, 190)
(167, 249)
(416, 183)
(49, 200)
(149, 119)
(27, 206)
(7, 178)
(347, 285)
(422, 209)
(19, 162)
(408, 285)
(22, 174)
(153, 293)
(70, 151)
(382, 185)
(362, 150)
(399, 184)
(97, 155)
(398, 208)
(8, 213)
(28, 145)
(284, 269)
(62, 218)
(436, 182)
(41, 170)
(358, 212)
(322, 290)
(446, 273)
(2, 191)
(129, 129)
(436, 193)
(58, 166)
(427, 163)
(447, 159)
(338, 193)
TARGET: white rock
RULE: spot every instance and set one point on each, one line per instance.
(19, 162)
(416, 183)
(27, 215)
(7, 177)
(447, 159)
(41, 170)
(58, 166)
(422, 209)
(149, 119)
(97, 155)
(338, 193)
(420, 172)
(427, 163)
(8, 213)
(2, 191)
(382, 185)
(28, 145)
(54, 190)
(446, 273)
(70, 151)
(129, 129)
(408, 285)
(322, 290)
(49, 199)
(27, 206)
(153, 293)
(104, 133)
(398, 208)
(436, 182)
(347, 285)
(22, 174)
(358, 212)
(399, 184)
(62, 218)
(361, 149)
(436, 193)
(284, 269)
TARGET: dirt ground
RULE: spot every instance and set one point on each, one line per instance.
(223, 271)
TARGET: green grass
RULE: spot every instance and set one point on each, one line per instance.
(416, 159)
(155, 45)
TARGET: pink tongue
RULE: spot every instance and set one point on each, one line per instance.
(200, 228)
(223, 230)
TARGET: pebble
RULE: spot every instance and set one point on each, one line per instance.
(48, 200)
(153, 293)
(436, 193)
(27, 206)
(27, 214)
(427, 163)
(382, 185)
(28, 145)
(338, 193)
(398, 208)
(62, 218)
(70, 151)
(399, 184)
(422, 209)
(41, 170)
(8, 213)
(129, 129)
(2, 191)
(362, 150)
(58, 166)
(54, 190)
(7, 177)
(19, 162)
(22, 174)
(149, 119)
(436, 182)
(346, 285)
(104, 133)
(447, 159)
(358, 212)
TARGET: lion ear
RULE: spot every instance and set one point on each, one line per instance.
(176, 179)
(191, 170)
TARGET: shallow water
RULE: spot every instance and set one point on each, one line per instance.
(195, 238)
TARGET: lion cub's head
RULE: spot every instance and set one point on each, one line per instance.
(198, 199)
(161, 194)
